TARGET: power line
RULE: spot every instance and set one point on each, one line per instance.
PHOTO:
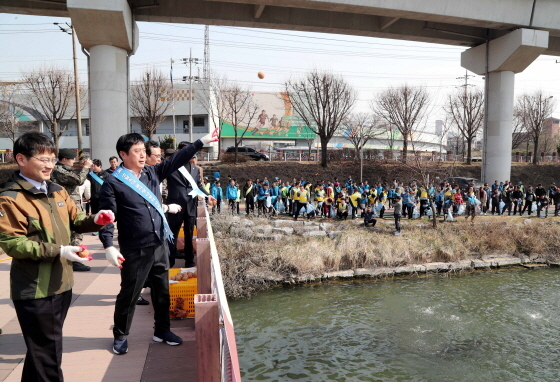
(303, 50)
(26, 24)
(301, 36)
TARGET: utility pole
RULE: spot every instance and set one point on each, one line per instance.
(77, 92)
(173, 107)
(464, 86)
(206, 64)
(71, 31)
(190, 62)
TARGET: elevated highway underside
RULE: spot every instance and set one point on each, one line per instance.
(453, 22)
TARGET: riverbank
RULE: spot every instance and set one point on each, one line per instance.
(257, 254)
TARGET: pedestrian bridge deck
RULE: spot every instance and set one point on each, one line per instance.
(88, 337)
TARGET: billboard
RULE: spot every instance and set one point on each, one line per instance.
(274, 120)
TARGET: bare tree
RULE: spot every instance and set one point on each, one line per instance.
(548, 143)
(322, 100)
(51, 92)
(239, 109)
(403, 107)
(391, 133)
(519, 134)
(214, 103)
(150, 99)
(533, 110)
(445, 128)
(360, 128)
(9, 110)
(465, 108)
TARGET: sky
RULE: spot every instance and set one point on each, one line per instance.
(369, 64)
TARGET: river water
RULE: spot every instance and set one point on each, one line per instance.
(491, 326)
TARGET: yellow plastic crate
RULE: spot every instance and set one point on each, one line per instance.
(184, 289)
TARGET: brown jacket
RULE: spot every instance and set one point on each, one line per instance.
(33, 226)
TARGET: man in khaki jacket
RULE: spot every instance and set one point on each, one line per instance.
(36, 218)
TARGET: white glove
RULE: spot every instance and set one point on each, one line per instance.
(114, 256)
(104, 217)
(212, 137)
(172, 208)
(69, 252)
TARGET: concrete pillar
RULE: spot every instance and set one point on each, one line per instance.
(499, 126)
(108, 91)
(107, 30)
(499, 60)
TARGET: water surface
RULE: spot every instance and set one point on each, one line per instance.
(492, 326)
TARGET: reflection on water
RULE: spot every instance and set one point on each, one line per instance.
(495, 326)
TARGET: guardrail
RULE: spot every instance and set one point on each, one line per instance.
(217, 359)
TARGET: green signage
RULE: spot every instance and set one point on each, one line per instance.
(269, 128)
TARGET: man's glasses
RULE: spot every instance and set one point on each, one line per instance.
(46, 161)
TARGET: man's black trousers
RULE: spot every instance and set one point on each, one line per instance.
(249, 204)
(41, 323)
(189, 222)
(94, 206)
(152, 264)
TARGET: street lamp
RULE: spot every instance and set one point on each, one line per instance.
(70, 30)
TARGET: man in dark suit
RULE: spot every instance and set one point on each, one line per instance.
(133, 194)
(95, 185)
(178, 188)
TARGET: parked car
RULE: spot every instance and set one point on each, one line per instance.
(464, 183)
(254, 154)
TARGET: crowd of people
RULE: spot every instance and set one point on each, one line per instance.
(341, 200)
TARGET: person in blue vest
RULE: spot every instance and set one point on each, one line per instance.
(391, 194)
(133, 195)
(274, 195)
(96, 178)
(262, 194)
(218, 194)
(231, 196)
(409, 203)
(366, 187)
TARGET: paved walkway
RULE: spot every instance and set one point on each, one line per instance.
(88, 337)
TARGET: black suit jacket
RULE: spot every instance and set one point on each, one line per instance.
(140, 225)
(96, 187)
(178, 189)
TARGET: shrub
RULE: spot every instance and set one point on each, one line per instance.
(166, 142)
(230, 158)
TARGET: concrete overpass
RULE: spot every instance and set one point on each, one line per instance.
(518, 31)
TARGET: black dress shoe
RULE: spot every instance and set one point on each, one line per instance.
(79, 267)
(142, 301)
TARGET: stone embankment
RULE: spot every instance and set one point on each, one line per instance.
(275, 230)
(279, 230)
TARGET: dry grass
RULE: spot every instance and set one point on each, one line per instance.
(252, 265)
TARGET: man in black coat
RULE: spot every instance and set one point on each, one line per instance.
(178, 189)
(95, 184)
(143, 233)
